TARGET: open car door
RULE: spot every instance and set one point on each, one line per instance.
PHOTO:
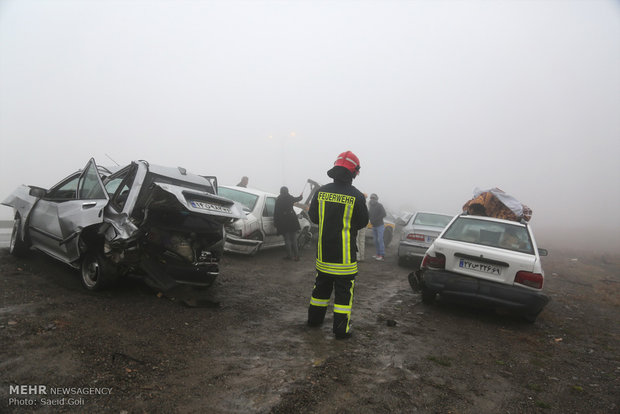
(59, 220)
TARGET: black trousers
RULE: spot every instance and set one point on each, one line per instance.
(343, 300)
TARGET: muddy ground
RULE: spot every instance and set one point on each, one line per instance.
(247, 349)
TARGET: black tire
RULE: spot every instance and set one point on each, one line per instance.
(17, 246)
(414, 282)
(387, 236)
(530, 318)
(428, 296)
(97, 273)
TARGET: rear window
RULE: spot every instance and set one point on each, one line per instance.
(429, 219)
(489, 233)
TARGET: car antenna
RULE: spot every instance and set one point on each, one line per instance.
(112, 160)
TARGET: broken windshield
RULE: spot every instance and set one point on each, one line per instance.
(248, 200)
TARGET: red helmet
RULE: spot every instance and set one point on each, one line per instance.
(349, 161)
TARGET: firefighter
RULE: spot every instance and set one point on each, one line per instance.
(340, 211)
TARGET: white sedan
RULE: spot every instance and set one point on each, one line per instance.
(484, 261)
(257, 231)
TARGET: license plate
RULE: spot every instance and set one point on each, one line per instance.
(480, 267)
(429, 239)
(209, 206)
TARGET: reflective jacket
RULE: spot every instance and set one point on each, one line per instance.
(340, 211)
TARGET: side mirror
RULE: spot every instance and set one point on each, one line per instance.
(543, 252)
(37, 192)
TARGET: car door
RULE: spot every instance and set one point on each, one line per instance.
(74, 204)
(269, 227)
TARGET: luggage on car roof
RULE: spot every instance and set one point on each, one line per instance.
(496, 203)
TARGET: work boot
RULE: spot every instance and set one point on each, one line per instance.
(345, 335)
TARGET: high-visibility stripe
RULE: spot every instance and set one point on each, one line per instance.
(319, 302)
(342, 309)
(319, 252)
(336, 268)
(350, 305)
(346, 233)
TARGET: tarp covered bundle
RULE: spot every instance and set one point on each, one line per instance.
(498, 204)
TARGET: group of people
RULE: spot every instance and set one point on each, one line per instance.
(339, 209)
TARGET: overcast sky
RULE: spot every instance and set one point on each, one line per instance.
(435, 97)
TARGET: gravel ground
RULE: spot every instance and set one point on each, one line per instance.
(245, 347)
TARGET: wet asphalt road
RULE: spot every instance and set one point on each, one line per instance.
(5, 234)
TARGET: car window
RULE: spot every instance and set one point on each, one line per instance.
(248, 200)
(89, 187)
(66, 190)
(270, 205)
(489, 233)
(118, 185)
(112, 185)
(429, 219)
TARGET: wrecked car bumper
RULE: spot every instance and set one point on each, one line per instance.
(235, 244)
(167, 276)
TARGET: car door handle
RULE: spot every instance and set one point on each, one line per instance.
(90, 204)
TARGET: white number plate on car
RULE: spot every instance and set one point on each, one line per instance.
(429, 239)
(209, 206)
(480, 267)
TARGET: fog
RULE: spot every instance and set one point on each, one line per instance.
(435, 97)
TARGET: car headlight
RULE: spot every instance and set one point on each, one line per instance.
(230, 229)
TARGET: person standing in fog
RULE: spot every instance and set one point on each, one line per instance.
(376, 212)
(286, 222)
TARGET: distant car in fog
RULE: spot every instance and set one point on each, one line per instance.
(418, 234)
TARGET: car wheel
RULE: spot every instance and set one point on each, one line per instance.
(414, 282)
(530, 318)
(428, 296)
(17, 246)
(387, 236)
(97, 272)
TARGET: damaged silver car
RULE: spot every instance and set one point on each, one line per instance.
(256, 230)
(162, 224)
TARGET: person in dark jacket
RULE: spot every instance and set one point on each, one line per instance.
(286, 222)
(340, 211)
(376, 213)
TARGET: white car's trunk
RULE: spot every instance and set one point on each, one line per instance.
(482, 262)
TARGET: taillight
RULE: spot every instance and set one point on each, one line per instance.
(415, 236)
(435, 262)
(530, 279)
